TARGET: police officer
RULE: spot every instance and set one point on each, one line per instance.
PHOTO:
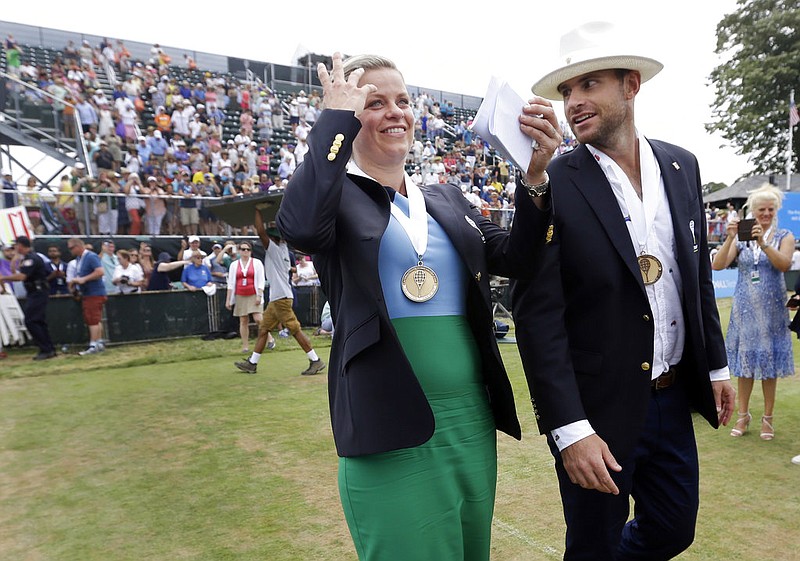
(33, 273)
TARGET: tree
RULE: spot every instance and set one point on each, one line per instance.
(751, 105)
(709, 188)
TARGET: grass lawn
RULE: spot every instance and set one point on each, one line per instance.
(165, 452)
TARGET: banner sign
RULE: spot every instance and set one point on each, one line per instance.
(239, 211)
(14, 222)
(789, 214)
(724, 282)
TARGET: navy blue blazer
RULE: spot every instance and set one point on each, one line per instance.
(376, 402)
(584, 325)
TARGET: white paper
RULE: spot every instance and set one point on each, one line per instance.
(497, 122)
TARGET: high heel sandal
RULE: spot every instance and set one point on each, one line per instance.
(768, 434)
(744, 419)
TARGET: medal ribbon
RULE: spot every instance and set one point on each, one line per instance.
(415, 225)
(643, 212)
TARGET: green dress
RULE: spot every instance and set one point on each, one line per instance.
(433, 502)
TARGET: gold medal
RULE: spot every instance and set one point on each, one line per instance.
(419, 283)
(650, 267)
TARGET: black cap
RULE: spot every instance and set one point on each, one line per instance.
(24, 241)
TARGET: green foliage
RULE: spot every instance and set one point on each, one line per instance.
(713, 186)
(751, 105)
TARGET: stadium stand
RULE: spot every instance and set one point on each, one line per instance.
(67, 102)
(229, 128)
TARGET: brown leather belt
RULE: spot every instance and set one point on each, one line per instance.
(666, 379)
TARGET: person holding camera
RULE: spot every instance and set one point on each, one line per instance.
(128, 276)
(759, 344)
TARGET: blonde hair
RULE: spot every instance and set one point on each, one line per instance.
(766, 192)
(367, 62)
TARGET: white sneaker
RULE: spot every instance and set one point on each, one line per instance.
(796, 460)
(92, 350)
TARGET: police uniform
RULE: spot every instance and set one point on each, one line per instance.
(38, 289)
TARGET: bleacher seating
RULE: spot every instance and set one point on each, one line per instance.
(43, 58)
(41, 114)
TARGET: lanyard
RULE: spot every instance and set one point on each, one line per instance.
(244, 269)
(757, 251)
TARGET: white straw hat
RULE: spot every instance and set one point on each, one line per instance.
(593, 46)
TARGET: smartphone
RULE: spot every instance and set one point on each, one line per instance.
(746, 229)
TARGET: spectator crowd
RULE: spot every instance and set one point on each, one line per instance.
(137, 269)
(168, 138)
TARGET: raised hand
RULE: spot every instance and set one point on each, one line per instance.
(539, 122)
(338, 93)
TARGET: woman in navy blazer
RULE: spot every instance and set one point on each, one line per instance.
(417, 387)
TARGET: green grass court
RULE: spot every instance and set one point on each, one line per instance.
(166, 452)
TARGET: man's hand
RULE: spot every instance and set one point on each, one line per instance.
(587, 462)
(725, 398)
(538, 121)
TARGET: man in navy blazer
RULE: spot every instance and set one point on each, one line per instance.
(619, 332)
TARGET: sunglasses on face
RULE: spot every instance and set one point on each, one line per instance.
(244, 249)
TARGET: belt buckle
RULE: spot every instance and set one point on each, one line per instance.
(665, 380)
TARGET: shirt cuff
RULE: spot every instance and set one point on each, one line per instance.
(571, 433)
(720, 374)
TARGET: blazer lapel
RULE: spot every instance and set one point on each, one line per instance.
(686, 222)
(590, 180)
(454, 225)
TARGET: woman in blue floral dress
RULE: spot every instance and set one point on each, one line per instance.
(758, 341)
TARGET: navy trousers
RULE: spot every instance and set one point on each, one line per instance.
(662, 476)
(36, 320)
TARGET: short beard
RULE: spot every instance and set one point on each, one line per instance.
(612, 126)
